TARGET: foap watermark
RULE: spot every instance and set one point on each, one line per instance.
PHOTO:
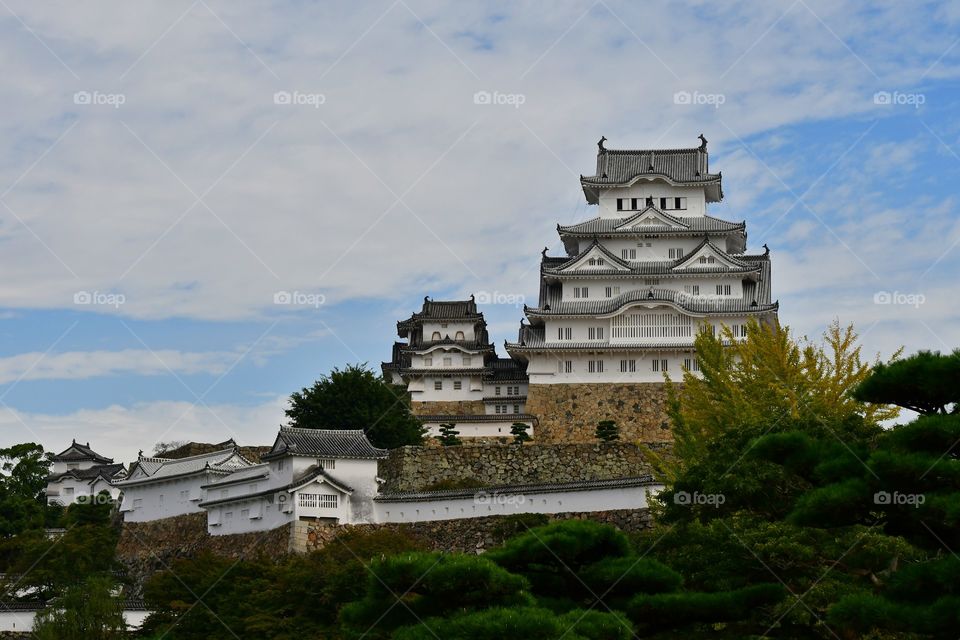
(99, 298)
(299, 98)
(699, 98)
(486, 498)
(100, 498)
(899, 298)
(499, 297)
(97, 98)
(498, 98)
(684, 499)
(899, 98)
(897, 499)
(299, 299)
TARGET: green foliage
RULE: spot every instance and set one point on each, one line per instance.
(520, 432)
(86, 611)
(50, 566)
(22, 483)
(515, 523)
(449, 436)
(97, 510)
(672, 610)
(552, 557)
(521, 623)
(355, 398)
(613, 579)
(926, 382)
(431, 584)
(607, 431)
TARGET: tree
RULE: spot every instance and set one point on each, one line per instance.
(22, 484)
(355, 398)
(86, 611)
(520, 432)
(449, 436)
(926, 382)
(607, 431)
(432, 584)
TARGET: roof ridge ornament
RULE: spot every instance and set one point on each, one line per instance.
(544, 252)
(703, 143)
(766, 249)
(600, 147)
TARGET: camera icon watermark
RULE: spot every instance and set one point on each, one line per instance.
(96, 98)
(897, 98)
(897, 499)
(298, 98)
(499, 297)
(685, 499)
(299, 299)
(100, 498)
(99, 298)
(514, 100)
(699, 98)
(496, 498)
(899, 298)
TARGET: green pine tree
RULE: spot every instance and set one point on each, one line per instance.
(519, 431)
(607, 431)
(449, 436)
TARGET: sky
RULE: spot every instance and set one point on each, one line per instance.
(207, 205)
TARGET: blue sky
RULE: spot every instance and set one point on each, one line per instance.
(180, 163)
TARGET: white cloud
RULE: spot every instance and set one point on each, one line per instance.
(80, 365)
(119, 432)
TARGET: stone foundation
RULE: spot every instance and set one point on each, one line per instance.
(420, 468)
(570, 412)
(448, 407)
(472, 535)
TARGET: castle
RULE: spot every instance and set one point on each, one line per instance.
(619, 311)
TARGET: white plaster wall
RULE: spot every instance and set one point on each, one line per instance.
(60, 467)
(696, 200)
(482, 429)
(172, 505)
(483, 504)
(596, 287)
(450, 329)
(271, 517)
(471, 389)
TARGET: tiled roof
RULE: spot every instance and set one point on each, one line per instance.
(252, 472)
(445, 371)
(223, 461)
(325, 443)
(302, 479)
(512, 489)
(76, 452)
(107, 471)
(620, 167)
(443, 310)
(653, 294)
(609, 226)
(507, 370)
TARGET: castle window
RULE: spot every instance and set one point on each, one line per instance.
(443, 325)
(628, 254)
(458, 335)
(581, 292)
(328, 500)
(594, 366)
(693, 289)
(564, 333)
(326, 463)
(663, 203)
(447, 362)
(457, 385)
(496, 391)
(651, 281)
(467, 360)
(691, 364)
(438, 385)
(707, 260)
(680, 203)
(137, 503)
(435, 336)
(228, 515)
(649, 201)
(723, 289)
(675, 253)
(428, 362)
(635, 203)
(516, 408)
(245, 513)
(612, 291)
(660, 365)
(564, 366)
(619, 204)
(628, 366)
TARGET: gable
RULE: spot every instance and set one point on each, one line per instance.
(651, 217)
(596, 258)
(707, 256)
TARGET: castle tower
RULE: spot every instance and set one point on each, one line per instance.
(625, 304)
(453, 374)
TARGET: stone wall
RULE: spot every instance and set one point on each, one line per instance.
(448, 407)
(147, 547)
(472, 535)
(570, 412)
(418, 468)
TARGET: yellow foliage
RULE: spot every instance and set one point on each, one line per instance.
(762, 381)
